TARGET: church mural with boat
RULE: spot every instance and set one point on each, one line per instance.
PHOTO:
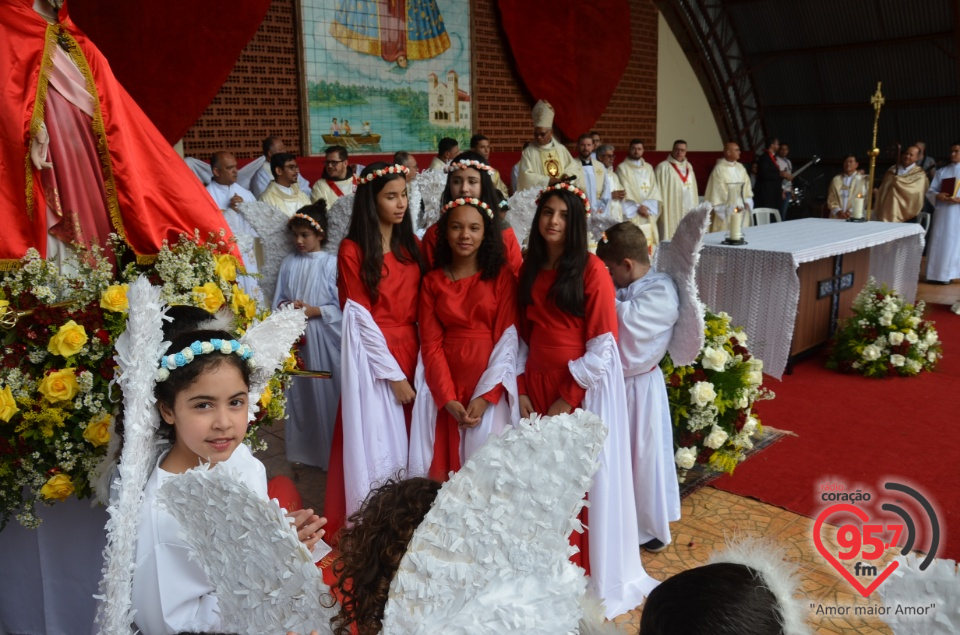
(386, 75)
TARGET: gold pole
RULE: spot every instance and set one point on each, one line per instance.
(877, 100)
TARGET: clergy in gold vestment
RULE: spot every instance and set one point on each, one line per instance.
(678, 189)
(728, 177)
(902, 190)
(283, 192)
(546, 161)
(641, 205)
(845, 187)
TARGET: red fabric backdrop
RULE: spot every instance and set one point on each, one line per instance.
(171, 56)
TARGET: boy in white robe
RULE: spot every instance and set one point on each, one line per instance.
(647, 309)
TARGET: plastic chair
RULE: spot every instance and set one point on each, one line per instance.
(762, 215)
(924, 219)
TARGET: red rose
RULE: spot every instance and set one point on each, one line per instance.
(103, 336)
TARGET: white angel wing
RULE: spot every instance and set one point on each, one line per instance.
(597, 224)
(338, 222)
(271, 226)
(270, 341)
(265, 578)
(678, 258)
(523, 207)
(908, 586)
(432, 184)
(492, 555)
(139, 349)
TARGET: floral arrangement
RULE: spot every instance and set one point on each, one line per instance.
(460, 202)
(885, 336)
(711, 401)
(573, 189)
(57, 408)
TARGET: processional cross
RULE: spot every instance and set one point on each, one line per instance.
(877, 100)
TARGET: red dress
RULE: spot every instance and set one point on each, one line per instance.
(395, 312)
(460, 323)
(510, 245)
(556, 337)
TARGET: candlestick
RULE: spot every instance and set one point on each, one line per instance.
(736, 220)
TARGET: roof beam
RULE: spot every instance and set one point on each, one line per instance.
(852, 46)
(862, 105)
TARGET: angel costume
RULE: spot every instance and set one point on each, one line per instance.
(576, 358)
(640, 183)
(646, 313)
(728, 178)
(312, 403)
(468, 342)
(379, 345)
(511, 247)
(678, 189)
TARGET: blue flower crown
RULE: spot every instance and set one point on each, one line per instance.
(187, 355)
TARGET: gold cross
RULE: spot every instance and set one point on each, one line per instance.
(877, 99)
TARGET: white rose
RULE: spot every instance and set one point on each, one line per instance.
(715, 358)
(750, 426)
(931, 357)
(871, 353)
(911, 337)
(754, 378)
(702, 393)
(913, 321)
(931, 337)
(895, 337)
(685, 458)
(913, 366)
(743, 402)
(756, 364)
(716, 438)
(897, 360)
(886, 319)
(741, 337)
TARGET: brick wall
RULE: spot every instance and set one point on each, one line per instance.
(261, 95)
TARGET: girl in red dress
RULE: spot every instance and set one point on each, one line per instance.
(469, 176)
(568, 319)
(378, 281)
(468, 342)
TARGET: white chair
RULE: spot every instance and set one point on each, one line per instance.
(762, 215)
(924, 219)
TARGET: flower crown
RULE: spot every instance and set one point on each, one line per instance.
(187, 355)
(563, 185)
(376, 174)
(310, 220)
(463, 164)
(458, 202)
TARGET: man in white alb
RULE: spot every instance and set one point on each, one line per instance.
(729, 184)
(614, 207)
(594, 174)
(546, 161)
(678, 189)
(943, 255)
(263, 176)
(338, 177)
(845, 187)
(642, 203)
(283, 192)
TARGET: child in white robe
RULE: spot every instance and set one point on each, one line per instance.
(308, 279)
(647, 309)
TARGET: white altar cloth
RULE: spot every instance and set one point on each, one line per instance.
(758, 285)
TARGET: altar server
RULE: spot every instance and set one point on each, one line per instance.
(728, 180)
(943, 256)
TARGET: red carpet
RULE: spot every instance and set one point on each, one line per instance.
(863, 432)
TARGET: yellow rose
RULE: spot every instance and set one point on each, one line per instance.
(290, 363)
(115, 299)
(59, 385)
(209, 296)
(226, 267)
(242, 304)
(3, 306)
(8, 407)
(69, 340)
(59, 487)
(266, 397)
(98, 432)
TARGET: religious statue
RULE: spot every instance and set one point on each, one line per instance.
(396, 30)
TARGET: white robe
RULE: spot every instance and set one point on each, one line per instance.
(322, 190)
(616, 573)
(501, 369)
(375, 441)
(533, 172)
(722, 182)
(647, 311)
(245, 234)
(171, 593)
(595, 185)
(640, 183)
(312, 403)
(943, 255)
(677, 197)
(843, 189)
(264, 176)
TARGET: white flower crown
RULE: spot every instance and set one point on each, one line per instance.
(458, 202)
(376, 174)
(469, 163)
(570, 188)
(310, 220)
(187, 355)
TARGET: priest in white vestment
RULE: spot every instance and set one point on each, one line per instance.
(338, 177)
(642, 203)
(228, 194)
(594, 174)
(943, 254)
(845, 187)
(264, 176)
(283, 192)
(678, 189)
(613, 208)
(546, 162)
(729, 184)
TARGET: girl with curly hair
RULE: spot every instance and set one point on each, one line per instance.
(468, 343)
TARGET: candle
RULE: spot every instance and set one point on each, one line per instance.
(736, 219)
(858, 206)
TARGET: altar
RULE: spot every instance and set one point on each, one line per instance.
(792, 281)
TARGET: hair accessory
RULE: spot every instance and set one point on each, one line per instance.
(459, 202)
(505, 203)
(570, 188)
(310, 220)
(187, 355)
(376, 174)
(469, 163)
(603, 237)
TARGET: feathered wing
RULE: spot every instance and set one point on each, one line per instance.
(432, 183)
(492, 555)
(679, 258)
(338, 222)
(138, 351)
(909, 586)
(271, 226)
(265, 578)
(523, 207)
(270, 341)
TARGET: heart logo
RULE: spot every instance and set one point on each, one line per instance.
(561, 59)
(829, 557)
